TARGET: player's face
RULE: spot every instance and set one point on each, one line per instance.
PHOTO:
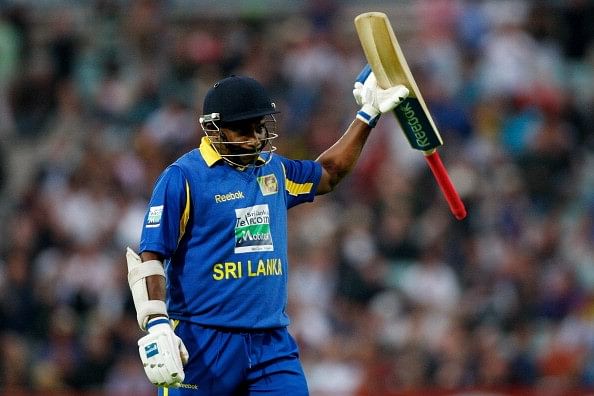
(244, 137)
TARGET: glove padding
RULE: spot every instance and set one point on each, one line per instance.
(373, 99)
(163, 354)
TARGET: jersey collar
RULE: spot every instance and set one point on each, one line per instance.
(208, 152)
(211, 156)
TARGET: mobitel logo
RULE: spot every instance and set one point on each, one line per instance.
(229, 196)
(415, 125)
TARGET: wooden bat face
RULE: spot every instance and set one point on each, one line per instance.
(389, 65)
(390, 68)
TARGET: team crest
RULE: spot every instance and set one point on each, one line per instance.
(268, 184)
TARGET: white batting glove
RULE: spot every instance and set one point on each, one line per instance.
(163, 354)
(375, 101)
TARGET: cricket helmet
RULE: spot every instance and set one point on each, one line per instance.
(238, 98)
(232, 100)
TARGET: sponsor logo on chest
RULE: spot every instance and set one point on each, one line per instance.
(252, 229)
(229, 196)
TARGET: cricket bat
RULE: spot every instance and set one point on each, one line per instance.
(390, 68)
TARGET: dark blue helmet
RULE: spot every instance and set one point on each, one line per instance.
(238, 98)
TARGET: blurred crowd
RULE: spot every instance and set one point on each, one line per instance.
(388, 292)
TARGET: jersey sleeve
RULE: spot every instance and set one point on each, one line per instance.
(301, 180)
(161, 228)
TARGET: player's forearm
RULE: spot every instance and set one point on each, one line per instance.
(155, 285)
(340, 159)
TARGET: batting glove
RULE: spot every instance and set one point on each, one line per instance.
(375, 101)
(163, 354)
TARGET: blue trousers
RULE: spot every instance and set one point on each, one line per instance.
(227, 362)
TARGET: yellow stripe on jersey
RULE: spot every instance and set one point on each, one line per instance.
(185, 215)
(297, 188)
(294, 188)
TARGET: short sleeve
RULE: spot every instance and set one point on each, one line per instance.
(161, 227)
(301, 180)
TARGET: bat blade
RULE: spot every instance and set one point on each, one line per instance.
(377, 40)
(390, 68)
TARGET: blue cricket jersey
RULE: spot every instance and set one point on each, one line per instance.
(223, 233)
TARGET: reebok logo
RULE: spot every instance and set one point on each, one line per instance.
(228, 197)
(414, 124)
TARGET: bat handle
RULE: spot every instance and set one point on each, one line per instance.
(443, 179)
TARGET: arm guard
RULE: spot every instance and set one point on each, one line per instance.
(138, 271)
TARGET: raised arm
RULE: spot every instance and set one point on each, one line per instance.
(341, 157)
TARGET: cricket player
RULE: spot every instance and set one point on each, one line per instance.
(210, 283)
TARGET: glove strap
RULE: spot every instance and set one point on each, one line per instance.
(157, 321)
(367, 118)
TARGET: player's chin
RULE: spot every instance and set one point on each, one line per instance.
(248, 157)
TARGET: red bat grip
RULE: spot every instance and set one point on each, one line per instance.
(443, 179)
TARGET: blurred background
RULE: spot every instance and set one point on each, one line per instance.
(389, 294)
